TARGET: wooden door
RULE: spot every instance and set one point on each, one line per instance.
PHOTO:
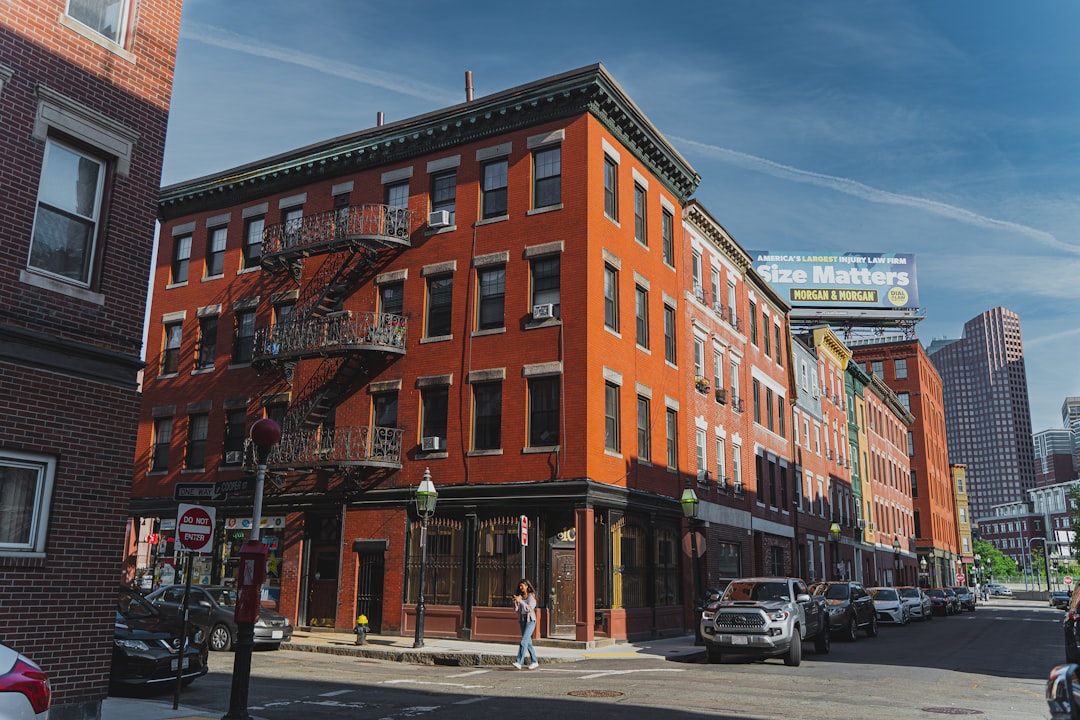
(323, 586)
(563, 571)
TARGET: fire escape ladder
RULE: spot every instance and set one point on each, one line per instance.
(336, 277)
(332, 379)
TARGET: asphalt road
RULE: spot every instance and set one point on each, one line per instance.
(992, 663)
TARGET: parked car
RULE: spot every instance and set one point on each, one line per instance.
(999, 590)
(1071, 626)
(888, 605)
(964, 597)
(25, 693)
(942, 603)
(213, 607)
(850, 608)
(146, 646)
(919, 605)
(1059, 599)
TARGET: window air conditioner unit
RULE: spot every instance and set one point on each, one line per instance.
(431, 444)
(543, 312)
(861, 524)
(870, 526)
(234, 457)
(439, 219)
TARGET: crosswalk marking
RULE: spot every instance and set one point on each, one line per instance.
(409, 681)
(467, 674)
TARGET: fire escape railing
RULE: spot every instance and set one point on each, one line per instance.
(320, 335)
(374, 445)
(328, 231)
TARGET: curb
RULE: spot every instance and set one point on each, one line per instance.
(417, 657)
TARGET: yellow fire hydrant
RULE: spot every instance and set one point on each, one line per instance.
(361, 629)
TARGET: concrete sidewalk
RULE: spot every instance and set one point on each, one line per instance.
(436, 651)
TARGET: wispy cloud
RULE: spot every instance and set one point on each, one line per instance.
(871, 194)
(1051, 338)
(219, 37)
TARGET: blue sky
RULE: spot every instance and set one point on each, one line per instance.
(950, 130)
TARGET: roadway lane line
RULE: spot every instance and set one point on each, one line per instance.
(406, 681)
(467, 674)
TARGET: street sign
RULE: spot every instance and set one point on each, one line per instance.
(959, 578)
(1068, 579)
(192, 492)
(195, 528)
(244, 484)
(524, 531)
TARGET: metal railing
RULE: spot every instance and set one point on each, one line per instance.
(384, 331)
(321, 447)
(383, 223)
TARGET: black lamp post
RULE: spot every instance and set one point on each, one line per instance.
(265, 434)
(426, 497)
(834, 538)
(689, 504)
(896, 558)
(922, 567)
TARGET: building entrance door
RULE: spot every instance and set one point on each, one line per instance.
(371, 560)
(563, 572)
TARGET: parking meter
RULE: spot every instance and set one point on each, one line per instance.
(249, 583)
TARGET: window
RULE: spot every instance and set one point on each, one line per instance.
(207, 346)
(733, 316)
(68, 210)
(292, 220)
(196, 445)
(900, 368)
(769, 409)
(235, 434)
(644, 432)
(668, 568)
(159, 462)
(779, 353)
(699, 359)
(905, 400)
(721, 464)
(667, 236)
(878, 368)
(640, 231)
(392, 298)
(700, 454)
(444, 193)
(718, 370)
(753, 322)
(253, 232)
(434, 411)
(443, 573)
(547, 177)
(106, 17)
(26, 490)
(756, 392)
(736, 467)
(611, 417)
(611, 189)
(181, 259)
(215, 251)
(911, 444)
(641, 315)
(611, 298)
(492, 294)
(397, 194)
(283, 313)
(781, 424)
(341, 215)
(440, 295)
(170, 358)
(544, 411)
(669, 334)
(493, 189)
(244, 339)
(767, 342)
(385, 409)
(672, 425)
(545, 282)
(487, 416)
(735, 383)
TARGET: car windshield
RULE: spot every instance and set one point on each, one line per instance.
(226, 597)
(761, 591)
(839, 591)
(883, 594)
(131, 607)
(935, 593)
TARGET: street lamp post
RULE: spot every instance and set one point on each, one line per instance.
(834, 537)
(265, 434)
(689, 504)
(896, 557)
(922, 567)
(978, 570)
(426, 497)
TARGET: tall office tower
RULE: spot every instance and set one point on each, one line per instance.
(1070, 418)
(987, 415)
(1054, 456)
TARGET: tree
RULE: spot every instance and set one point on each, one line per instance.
(993, 561)
(1074, 520)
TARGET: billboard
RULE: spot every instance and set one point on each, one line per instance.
(843, 280)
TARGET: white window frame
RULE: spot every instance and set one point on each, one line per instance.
(44, 466)
(123, 20)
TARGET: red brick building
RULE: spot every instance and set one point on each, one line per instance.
(488, 292)
(85, 93)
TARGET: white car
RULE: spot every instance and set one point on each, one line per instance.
(918, 604)
(888, 606)
(24, 689)
(998, 590)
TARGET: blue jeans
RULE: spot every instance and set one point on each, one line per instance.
(527, 627)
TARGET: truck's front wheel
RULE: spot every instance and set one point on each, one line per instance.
(712, 654)
(794, 653)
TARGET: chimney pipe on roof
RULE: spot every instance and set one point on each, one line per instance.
(468, 86)
(379, 119)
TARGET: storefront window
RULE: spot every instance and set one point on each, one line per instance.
(442, 582)
(729, 562)
(630, 565)
(668, 568)
(602, 569)
(498, 565)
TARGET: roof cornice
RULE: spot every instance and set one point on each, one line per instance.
(585, 90)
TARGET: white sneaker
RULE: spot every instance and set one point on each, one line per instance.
(516, 664)
(534, 666)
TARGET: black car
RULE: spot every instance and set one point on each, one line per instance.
(213, 607)
(954, 601)
(940, 603)
(1059, 599)
(146, 646)
(850, 608)
(964, 597)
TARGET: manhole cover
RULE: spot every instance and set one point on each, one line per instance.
(595, 693)
(952, 711)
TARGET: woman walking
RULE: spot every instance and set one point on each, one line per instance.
(525, 605)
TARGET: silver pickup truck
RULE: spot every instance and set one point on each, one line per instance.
(767, 617)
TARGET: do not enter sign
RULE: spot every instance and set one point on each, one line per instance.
(195, 528)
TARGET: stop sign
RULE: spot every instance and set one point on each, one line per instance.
(1068, 579)
(959, 578)
(195, 528)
